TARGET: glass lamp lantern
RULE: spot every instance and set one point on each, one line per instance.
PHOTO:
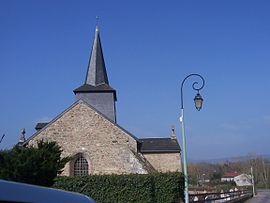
(198, 100)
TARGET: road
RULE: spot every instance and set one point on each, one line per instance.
(261, 197)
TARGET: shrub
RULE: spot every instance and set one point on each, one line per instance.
(35, 165)
(134, 188)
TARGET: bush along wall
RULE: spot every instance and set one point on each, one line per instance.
(135, 188)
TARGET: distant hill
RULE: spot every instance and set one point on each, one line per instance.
(231, 159)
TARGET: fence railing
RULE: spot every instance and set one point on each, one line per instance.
(234, 196)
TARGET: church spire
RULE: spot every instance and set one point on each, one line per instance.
(96, 90)
(96, 71)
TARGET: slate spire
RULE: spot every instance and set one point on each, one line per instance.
(96, 90)
(96, 71)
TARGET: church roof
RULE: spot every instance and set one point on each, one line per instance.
(96, 79)
(96, 72)
(159, 145)
(100, 88)
(90, 88)
(40, 126)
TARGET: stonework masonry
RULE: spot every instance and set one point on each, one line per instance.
(164, 162)
(81, 129)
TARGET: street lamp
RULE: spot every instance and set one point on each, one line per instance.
(252, 180)
(2, 138)
(198, 100)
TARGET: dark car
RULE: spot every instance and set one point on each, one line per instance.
(13, 192)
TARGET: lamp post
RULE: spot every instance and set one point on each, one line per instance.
(198, 100)
(2, 138)
(252, 179)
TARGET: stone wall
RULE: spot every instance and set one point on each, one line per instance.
(80, 129)
(164, 162)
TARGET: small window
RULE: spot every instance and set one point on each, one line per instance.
(80, 166)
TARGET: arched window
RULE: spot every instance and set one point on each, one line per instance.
(80, 166)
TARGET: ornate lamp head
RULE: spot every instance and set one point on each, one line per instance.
(198, 100)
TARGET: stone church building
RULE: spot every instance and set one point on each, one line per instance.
(88, 132)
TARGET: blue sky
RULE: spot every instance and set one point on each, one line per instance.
(149, 48)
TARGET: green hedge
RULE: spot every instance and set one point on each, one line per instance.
(150, 188)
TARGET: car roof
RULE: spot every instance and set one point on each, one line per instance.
(21, 192)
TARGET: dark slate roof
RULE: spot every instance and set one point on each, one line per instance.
(159, 145)
(96, 79)
(100, 88)
(40, 126)
(96, 72)
(90, 88)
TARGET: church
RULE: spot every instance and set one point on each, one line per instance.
(88, 131)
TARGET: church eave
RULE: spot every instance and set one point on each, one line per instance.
(159, 145)
(159, 151)
(95, 89)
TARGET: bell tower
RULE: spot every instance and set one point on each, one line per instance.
(96, 90)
